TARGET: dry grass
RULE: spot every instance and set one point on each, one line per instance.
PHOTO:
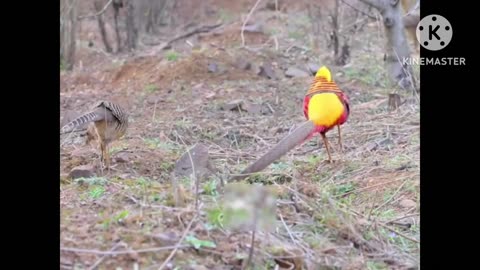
(361, 212)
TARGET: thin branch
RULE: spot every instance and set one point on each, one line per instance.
(287, 229)
(97, 263)
(402, 217)
(252, 244)
(417, 5)
(201, 29)
(381, 224)
(367, 188)
(69, 9)
(399, 233)
(374, 3)
(195, 178)
(113, 253)
(98, 13)
(391, 197)
(358, 10)
(246, 20)
(178, 245)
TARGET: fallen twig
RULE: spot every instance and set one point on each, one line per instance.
(402, 217)
(112, 253)
(200, 29)
(383, 225)
(358, 10)
(178, 245)
(366, 188)
(252, 244)
(194, 175)
(391, 197)
(97, 263)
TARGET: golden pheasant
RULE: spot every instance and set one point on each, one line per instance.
(325, 106)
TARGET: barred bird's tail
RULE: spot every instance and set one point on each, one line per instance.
(81, 120)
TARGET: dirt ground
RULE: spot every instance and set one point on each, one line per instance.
(360, 212)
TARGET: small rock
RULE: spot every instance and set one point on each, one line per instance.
(210, 95)
(154, 99)
(85, 171)
(212, 67)
(266, 70)
(167, 238)
(198, 156)
(122, 157)
(362, 222)
(372, 146)
(233, 105)
(251, 107)
(313, 67)
(198, 267)
(270, 5)
(80, 152)
(386, 142)
(296, 72)
(275, 130)
(241, 63)
(253, 28)
(197, 87)
(406, 203)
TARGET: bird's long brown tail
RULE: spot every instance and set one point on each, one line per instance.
(286, 144)
(92, 116)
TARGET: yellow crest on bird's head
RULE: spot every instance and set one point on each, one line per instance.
(325, 73)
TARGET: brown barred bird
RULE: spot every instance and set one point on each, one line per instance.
(106, 121)
(325, 106)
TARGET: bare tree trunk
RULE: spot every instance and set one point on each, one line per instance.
(397, 45)
(132, 30)
(157, 16)
(117, 4)
(68, 23)
(101, 25)
(411, 20)
(335, 37)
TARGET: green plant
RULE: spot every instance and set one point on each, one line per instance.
(197, 243)
(172, 56)
(96, 192)
(215, 217)
(151, 88)
(91, 181)
(210, 188)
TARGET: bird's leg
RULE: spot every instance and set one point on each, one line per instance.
(103, 152)
(325, 142)
(340, 139)
(107, 158)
